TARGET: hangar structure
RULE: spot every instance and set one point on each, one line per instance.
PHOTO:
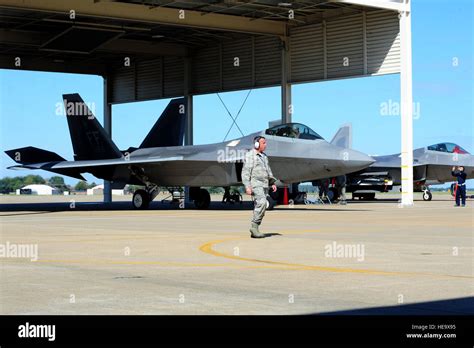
(154, 49)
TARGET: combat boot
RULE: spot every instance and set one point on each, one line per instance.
(255, 233)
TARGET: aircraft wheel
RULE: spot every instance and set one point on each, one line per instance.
(141, 199)
(270, 203)
(427, 196)
(204, 199)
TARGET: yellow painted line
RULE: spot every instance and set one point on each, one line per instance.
(208, 248)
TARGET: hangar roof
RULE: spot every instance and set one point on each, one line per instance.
(157, 35)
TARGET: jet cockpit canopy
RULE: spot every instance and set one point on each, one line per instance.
(447, 147)
(293, 130)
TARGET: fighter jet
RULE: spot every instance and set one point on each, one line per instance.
(431, 166)
(296, 153)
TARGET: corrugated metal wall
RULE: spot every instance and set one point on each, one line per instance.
(173, 76)
(383, 43)
(344, 42)
(307, 53)
(237, 64)
(216, 68)
(149, 79)
(206, 70)
(267, 61)
(356, 45)
(123, 85)
(360, 44)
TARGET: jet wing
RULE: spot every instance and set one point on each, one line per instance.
(98, 163)
(392, 161)
(72, 172)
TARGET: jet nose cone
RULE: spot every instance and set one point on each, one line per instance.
(356, 160)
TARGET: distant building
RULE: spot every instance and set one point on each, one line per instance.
(38, 189)
(99, 190)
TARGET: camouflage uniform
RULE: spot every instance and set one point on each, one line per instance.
(257, 174)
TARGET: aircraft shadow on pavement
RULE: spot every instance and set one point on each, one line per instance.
(375, 200)
(22, 212)
(313, 208)
(391, 200)
(118, 206)
(457, 306)
(91, 206)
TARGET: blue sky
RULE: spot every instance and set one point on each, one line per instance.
(442, 89)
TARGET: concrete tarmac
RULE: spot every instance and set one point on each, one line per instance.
(362, 258)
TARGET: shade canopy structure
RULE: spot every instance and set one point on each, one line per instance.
(155, 49)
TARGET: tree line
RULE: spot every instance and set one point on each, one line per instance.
(11, 184)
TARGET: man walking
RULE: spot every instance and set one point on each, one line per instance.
(257, 176)
(460, 185)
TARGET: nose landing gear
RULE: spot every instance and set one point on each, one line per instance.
(427, 195)
(142, 198)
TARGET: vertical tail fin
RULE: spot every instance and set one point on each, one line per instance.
(89, 139)
(343, 136)
(169, 129)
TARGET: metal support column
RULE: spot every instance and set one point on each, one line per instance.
(188, 136)
(188, 107)
(286, 107)
(108, 130)
(406, 101)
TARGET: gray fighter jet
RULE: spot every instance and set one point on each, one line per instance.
(431, 166)
(296, 153)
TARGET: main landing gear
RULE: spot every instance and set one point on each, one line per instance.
(270, 202)
(231, 196)
(200, 196)
(142, 198)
